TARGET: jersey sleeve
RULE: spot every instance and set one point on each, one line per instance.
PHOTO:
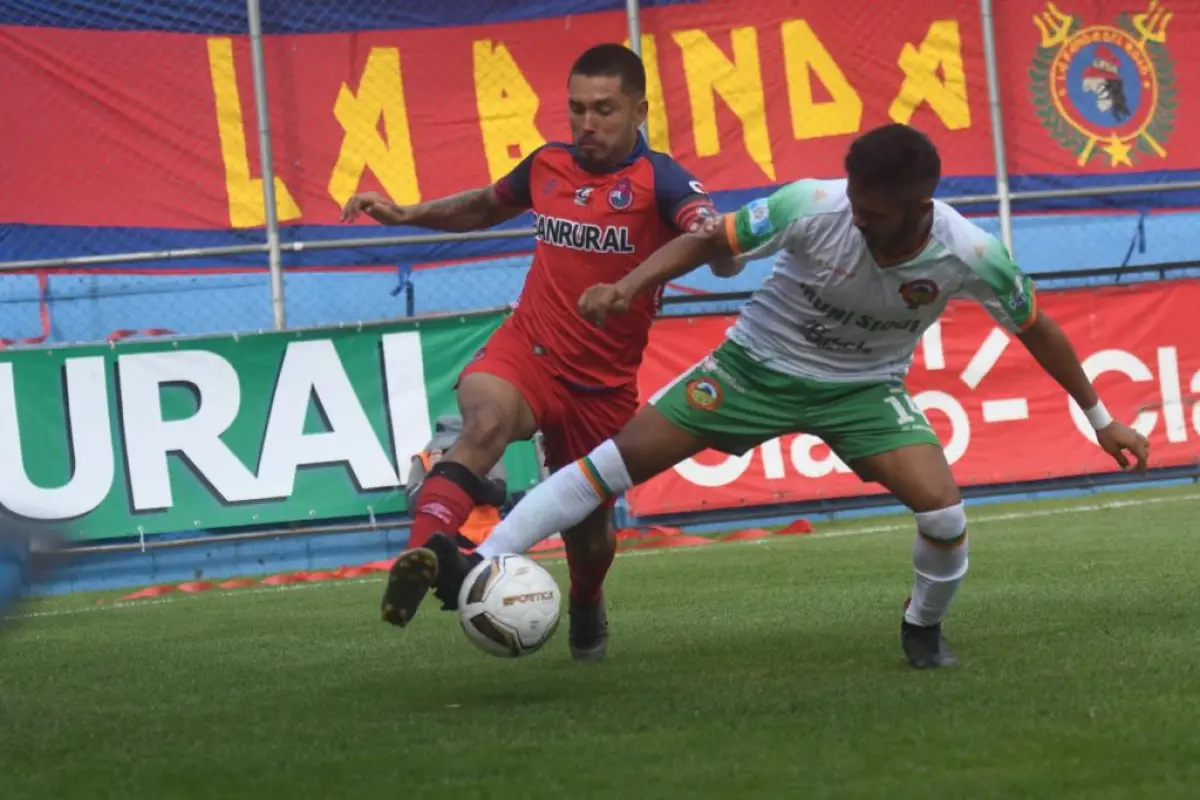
(765, 225)
(514, 188)
(682, 200)
(999, 285)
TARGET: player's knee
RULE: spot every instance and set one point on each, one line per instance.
(940, 549)
(945, 526)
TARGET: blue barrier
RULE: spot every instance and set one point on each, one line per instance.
(87, 307)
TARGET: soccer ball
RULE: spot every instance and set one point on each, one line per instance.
(509, 606)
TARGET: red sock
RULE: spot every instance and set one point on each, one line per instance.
(442, 506)
(587, 577)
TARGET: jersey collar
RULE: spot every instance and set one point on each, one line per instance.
(640, 149)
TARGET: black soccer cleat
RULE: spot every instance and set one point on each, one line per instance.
(439, 565)
(453, 568)
(588, 637)
(925, 647)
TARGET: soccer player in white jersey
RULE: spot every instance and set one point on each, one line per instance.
(863, 267)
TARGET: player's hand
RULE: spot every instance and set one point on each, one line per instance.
(374, 205)
(601, 300)
(706, 225)
(1120, 442)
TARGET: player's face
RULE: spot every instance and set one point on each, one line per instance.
(889, 223)
(604, 119)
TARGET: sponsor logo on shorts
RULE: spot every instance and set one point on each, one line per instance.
(711, 365)
(438, 510)
(704, 394)
(920, 292)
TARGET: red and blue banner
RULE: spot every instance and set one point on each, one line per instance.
(133, 128)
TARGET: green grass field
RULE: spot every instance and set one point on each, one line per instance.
(767, 669)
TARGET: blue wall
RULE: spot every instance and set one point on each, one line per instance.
(87, 307)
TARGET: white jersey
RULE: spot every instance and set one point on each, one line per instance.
(829, 312)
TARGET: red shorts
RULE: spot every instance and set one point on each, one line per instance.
(573, 421)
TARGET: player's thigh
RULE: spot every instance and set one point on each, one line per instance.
(729, 402)
(885, 438)
(581, 421)
(918, 475)
(498, 398)
(576, 421)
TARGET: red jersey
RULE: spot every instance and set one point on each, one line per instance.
(595, 228)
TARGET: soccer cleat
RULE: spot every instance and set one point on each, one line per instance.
(439, 565)
(588, 636)
(409, 579)
(453, 568)
(925, 647)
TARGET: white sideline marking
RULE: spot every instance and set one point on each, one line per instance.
(975, 521)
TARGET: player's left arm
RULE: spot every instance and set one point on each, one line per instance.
(1010, 296)
(686, 207)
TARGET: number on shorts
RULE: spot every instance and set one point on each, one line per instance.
(903, 417)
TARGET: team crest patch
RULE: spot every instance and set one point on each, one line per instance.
(620, 197)
(920, 292)
(1101, 89)
(704, 394)
(760, 216)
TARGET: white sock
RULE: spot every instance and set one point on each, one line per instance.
(939, 564)
(560, 502)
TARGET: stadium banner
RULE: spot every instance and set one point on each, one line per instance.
(153, 127)
(162, 436)
(998, 415)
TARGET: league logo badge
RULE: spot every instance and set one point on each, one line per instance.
(920, 292)
(621, 195)
(1099, 88)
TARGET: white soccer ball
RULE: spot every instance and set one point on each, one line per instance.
(509, 606)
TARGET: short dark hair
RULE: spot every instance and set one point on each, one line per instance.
(894, 157)
(613, 61)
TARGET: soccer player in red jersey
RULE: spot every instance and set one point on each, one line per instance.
(601, 205)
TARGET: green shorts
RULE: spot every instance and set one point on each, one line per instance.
(736, 403)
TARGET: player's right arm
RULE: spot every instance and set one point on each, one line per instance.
(756, 230)
(471, 210)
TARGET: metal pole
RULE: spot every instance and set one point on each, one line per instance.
(633, 18)
(274, 259)
(993, 84)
